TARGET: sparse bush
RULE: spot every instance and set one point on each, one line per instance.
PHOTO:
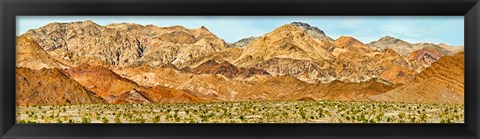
(252, 112)
(86, 120)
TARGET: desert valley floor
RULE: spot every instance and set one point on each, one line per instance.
(246, 112)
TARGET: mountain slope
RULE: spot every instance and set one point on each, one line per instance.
(453, 49)
(124, 44)
(405, 48)
(356, 62)
(117, 90)
(313, 31)
(257, 87)
(305, 70)
(226, 55)
(50, 87)
(351, 43)
(226, 69)
(443, 82)
(443, 51)
(243, 42)
(426, 56)
(102, 81)
(30, 55)
(132, 63)
(388, 42)
(287, 41)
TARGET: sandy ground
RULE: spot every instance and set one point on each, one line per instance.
(246, 112)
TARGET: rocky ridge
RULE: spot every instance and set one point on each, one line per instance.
(445, 81)
(132, 63)
(124, 44)
(50, 87)
(313, 31)
(242, 42)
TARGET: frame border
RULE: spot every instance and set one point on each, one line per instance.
(9, 9)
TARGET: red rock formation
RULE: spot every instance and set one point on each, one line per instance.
(101, 80)
(443, 82)
(117, 90)
(159, 94)
(226, 69)
(427, 56)
(50, 87)
(30, 55)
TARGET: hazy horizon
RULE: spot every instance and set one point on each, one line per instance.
(413, 29)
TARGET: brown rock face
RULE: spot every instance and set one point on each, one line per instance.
(347, 41)
(118, 90)
(352, 44)
(405, 48)
(124, 44)
(50, 87)
(132, 96)
(30, 55)
(348, 59)
(287, 41)
(170, 48)
(243, 42)
(452, 49)
(102, 81)
(443, 51)
(426, 56)
(313, 31)
(305, 70)
(353, 91)
(131, 63)
(226, 69)
(443, 82)
(228, 54)
(357, 63)
(159, 94)
(398, 75)
(402, 47)
(257, 87)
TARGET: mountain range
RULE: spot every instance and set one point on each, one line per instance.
(132, 63)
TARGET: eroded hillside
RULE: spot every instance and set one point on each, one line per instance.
(132, 63)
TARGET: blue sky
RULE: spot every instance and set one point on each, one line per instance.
(435, 29)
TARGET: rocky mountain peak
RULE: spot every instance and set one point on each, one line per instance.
(452, 49)
(391, 39)
(307, 27)
(47, 87)
(133, 63)
(313, 31)
(286, 41)
(426, 56)
(247, 39)
(443, 44)
(285, 28)
(347, 41)
(125, 26)
(284, 33)
(85, 23)
(208, 63)
(243, 42)
(389, 42)
(347, 38)
(89, 22)
(124, 44)
(203, 28)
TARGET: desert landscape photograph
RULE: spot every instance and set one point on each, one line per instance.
(239, 69)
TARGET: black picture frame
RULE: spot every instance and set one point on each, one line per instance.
(9, 9)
